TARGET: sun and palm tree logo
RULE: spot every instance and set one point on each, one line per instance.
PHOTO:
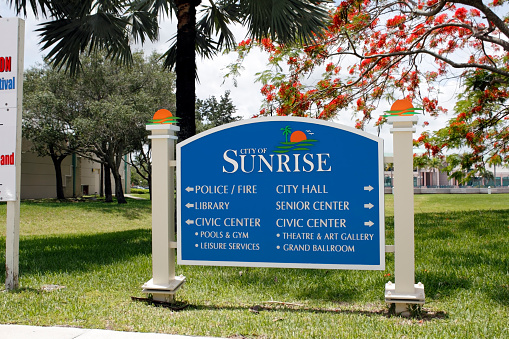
(163, 116)
(402, 107)
(298, 141)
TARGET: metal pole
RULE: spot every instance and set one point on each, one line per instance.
(12, 245)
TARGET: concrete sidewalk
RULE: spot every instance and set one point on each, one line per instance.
(37, 332)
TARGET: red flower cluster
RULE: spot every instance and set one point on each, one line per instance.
(461, 14)
(397, 21)
(245, 43)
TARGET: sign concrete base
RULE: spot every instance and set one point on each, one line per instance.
(164, 292)
(403, 300)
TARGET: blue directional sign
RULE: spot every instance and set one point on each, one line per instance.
(281, 192)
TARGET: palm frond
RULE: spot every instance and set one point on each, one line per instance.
(170, 56)
(216, 19)
(204, 46)
(38, 6)
(74, 8)
(109, 6)
(164, 7)
(284, 20)
(68, 38)
(143, 22)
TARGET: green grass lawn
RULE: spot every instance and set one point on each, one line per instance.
(101, 253)
(141, 195)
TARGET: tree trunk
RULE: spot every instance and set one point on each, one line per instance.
(57, 164)
(185, 67)
(119, 192)
(101, 185)
(107, 184)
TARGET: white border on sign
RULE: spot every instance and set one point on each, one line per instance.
(380, 143)
(270, 119)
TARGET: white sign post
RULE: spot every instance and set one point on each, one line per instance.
(164, 284)
(404, 291)
(11, 96)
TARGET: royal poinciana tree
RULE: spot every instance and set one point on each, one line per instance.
(375, 51)
(383, 49)
(479, 132)
(77, 27)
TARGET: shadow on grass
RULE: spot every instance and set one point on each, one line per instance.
(287, 308)
(439, 284)
(25, 290)
(134, 209)
(500, 294)
(369, 311)
(41, 255)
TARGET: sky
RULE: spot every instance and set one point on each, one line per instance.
(246, 95)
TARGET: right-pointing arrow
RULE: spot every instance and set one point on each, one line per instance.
(189, 222)
(369, 206)
(369, 223)
(368, 188)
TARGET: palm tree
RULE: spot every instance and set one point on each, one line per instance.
(85, 26)
(286, 131)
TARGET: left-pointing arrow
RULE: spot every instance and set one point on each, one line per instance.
(189, 205)
(189, 189)
(369, 223)
(189, 222)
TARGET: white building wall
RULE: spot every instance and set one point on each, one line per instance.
(38, 176)
(90, 177)
(38, 179)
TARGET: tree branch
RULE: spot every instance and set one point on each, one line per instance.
(490, 15)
